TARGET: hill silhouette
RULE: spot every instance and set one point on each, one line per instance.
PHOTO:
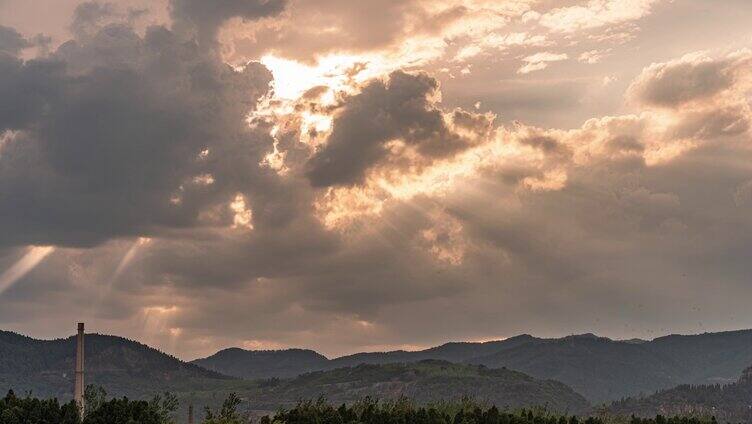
(254, 364)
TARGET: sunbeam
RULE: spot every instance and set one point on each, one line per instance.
(128, 257)
(29, 261)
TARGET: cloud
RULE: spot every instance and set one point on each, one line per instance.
(95, 123)
(397, 110)
(694, 77)
(540, 61)
(595, 14)
(592, 56)
(206, 17)
(408, 221)
(11, 42)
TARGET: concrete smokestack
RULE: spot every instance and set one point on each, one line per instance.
(190, 414)
(79, 389)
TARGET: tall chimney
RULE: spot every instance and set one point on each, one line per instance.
(190, 414)
(79, 390)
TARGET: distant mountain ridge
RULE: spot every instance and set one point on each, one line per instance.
(599, 368)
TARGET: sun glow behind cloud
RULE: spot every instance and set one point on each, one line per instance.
(336, 72)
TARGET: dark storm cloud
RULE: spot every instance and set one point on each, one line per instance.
(89, 15)
(397, 109)
(111, 127)
(11, 42)
(206, 17)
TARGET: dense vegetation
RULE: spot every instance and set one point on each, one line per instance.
(161, 410)
(732, 402)
(424, 382)
(28, 410)
(600, 369)
(404, 411)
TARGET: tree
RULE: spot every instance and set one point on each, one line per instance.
(124, 411)
(28, 410)
(227, 415)
(165, 406)
(94, 398)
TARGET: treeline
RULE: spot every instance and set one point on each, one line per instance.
(403, 411)
(162, 408)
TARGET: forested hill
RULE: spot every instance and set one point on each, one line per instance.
(424, 382)
(604, 370)
(253, 364)
(728, 403)
(124, 367)
(599, 368)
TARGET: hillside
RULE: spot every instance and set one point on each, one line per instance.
(599, 368)
(728, 403)
(122, 366)
(603, 369)
(424, 382)
(254, 364)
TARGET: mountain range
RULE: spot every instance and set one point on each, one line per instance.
(694, 373)
(599, 368)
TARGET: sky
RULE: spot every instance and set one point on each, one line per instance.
(365, 176)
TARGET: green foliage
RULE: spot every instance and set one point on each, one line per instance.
(729, 402)
(160, 410)
(28, 410)
(165, 406)
(425, 382)
(124, 411)
(94, 398)
(228, 414)
(403, 411)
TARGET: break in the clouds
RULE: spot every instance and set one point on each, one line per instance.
(386, 174)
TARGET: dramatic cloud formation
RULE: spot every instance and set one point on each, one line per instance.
(96, 123)
(391, 174)
(398, 110)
